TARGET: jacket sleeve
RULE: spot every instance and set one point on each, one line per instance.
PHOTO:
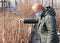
(52, 32)
(31, 20)
(51, 23)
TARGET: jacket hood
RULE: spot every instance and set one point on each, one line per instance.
(51, 11)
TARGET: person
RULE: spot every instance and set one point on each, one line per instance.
(45, 24)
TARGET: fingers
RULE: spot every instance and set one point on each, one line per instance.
(21, 20)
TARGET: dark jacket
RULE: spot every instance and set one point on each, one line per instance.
(45, 26)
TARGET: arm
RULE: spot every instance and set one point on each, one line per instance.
(52, 32)
(51, 23)
(31, 20)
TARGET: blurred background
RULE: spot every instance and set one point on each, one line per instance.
(11, 30)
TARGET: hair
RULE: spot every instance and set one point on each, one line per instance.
(38, 6)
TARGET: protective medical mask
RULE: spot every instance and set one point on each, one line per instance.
(38, 14)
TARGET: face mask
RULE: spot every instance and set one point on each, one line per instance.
(38, 14)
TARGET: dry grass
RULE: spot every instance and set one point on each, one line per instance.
(11, 30)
